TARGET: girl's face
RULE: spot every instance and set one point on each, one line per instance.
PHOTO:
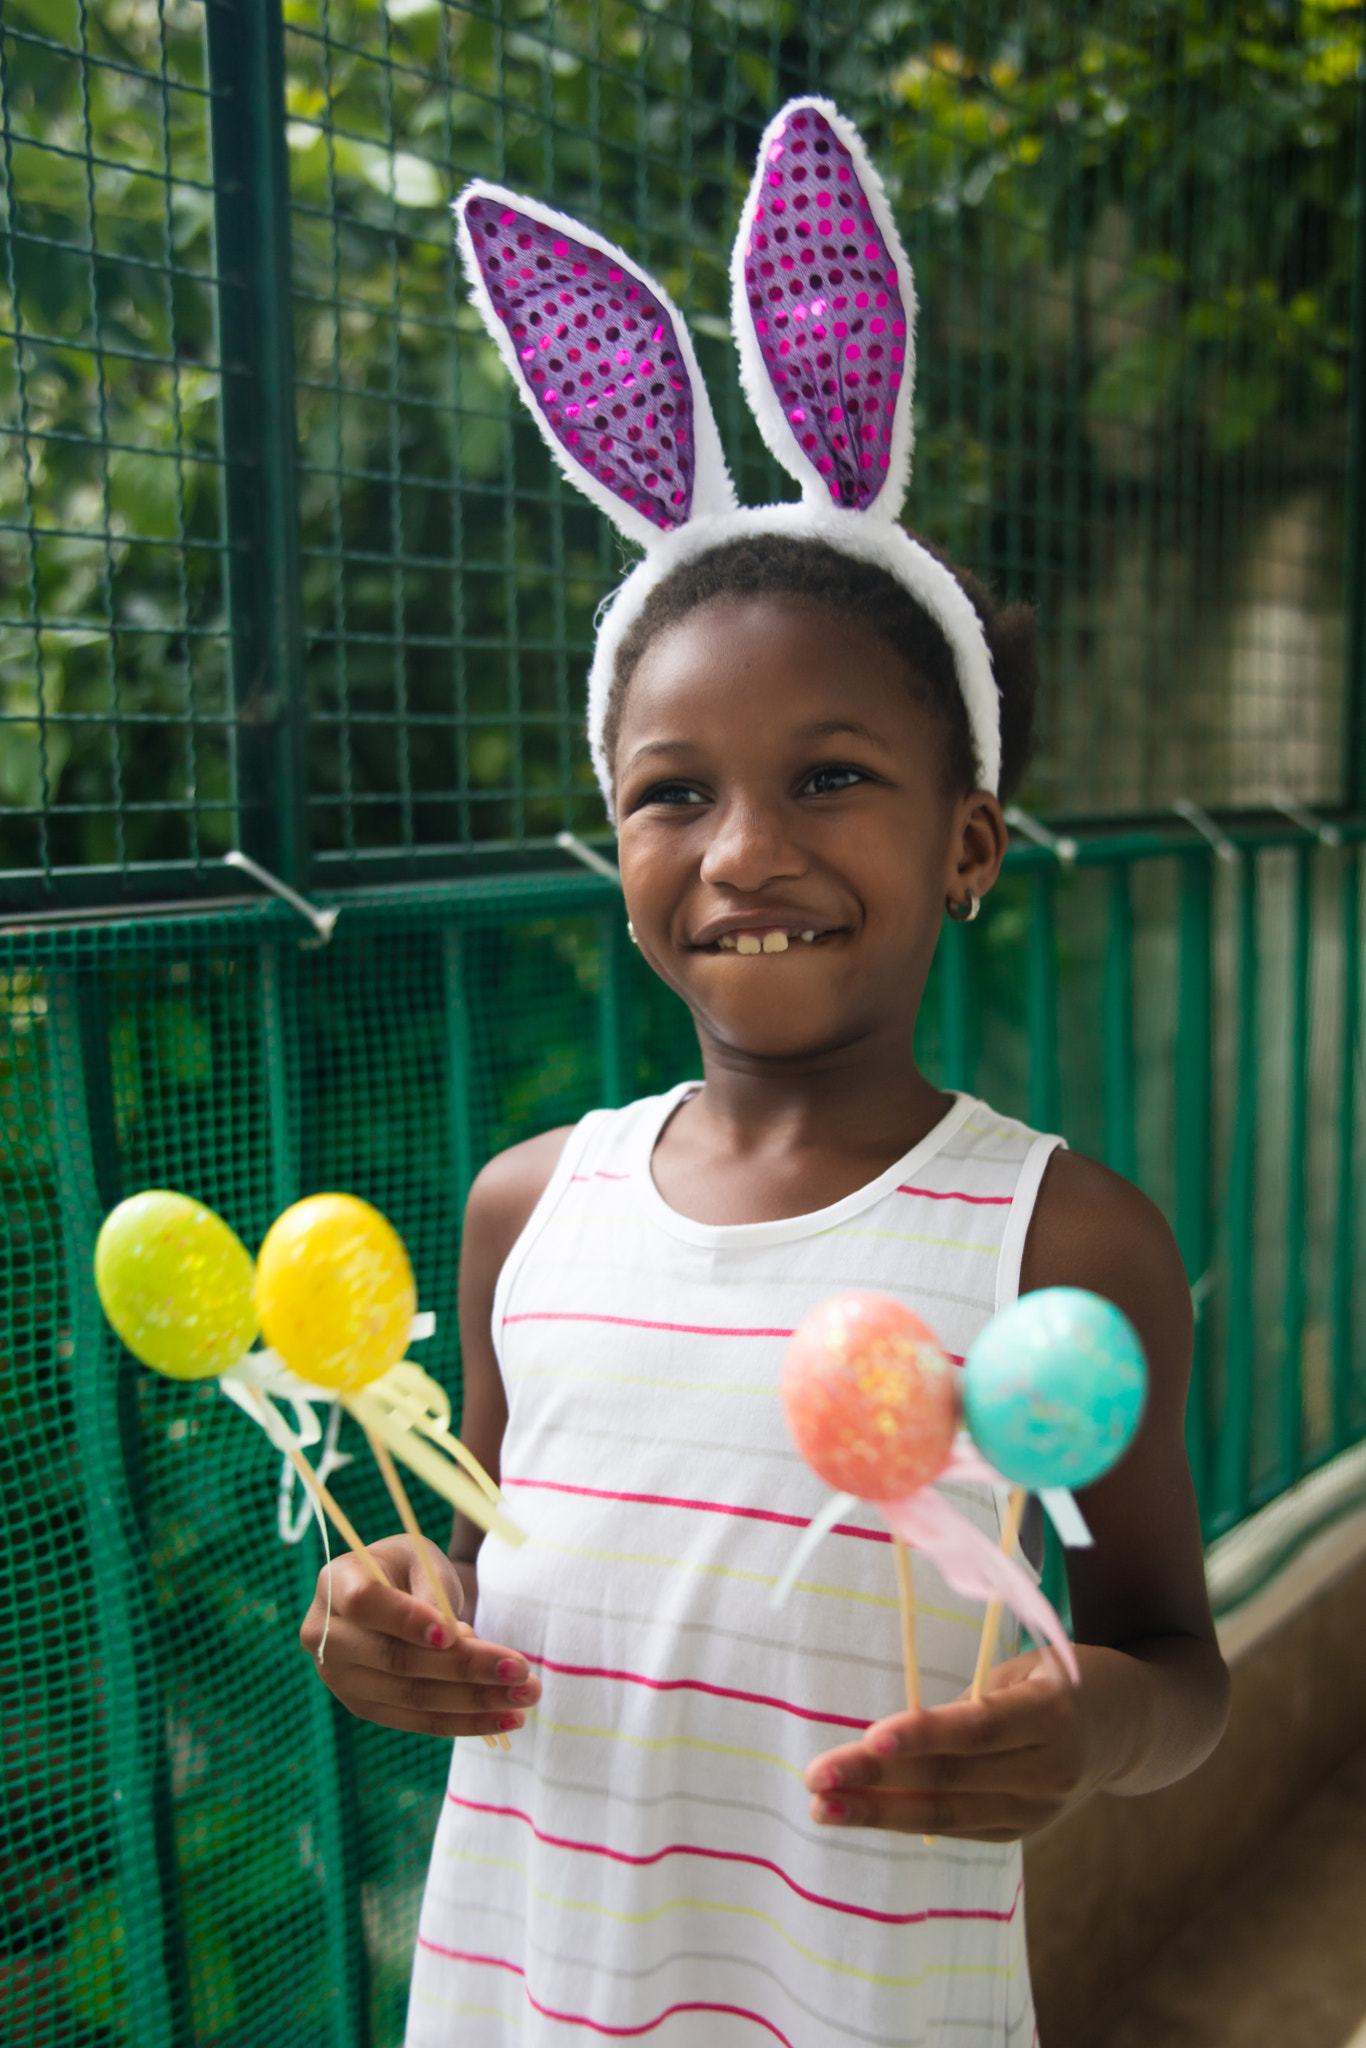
(786, 840)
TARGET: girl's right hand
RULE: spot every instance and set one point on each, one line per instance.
(390, 1657)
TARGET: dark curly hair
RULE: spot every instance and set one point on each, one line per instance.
(782, 564)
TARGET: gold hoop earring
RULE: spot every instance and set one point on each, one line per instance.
(964, 913)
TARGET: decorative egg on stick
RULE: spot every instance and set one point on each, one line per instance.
(176, 1284)
(336, 1298)
(873, 1408)
(872, 1402)
(1053, 1393)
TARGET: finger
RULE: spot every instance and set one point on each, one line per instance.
(984, 1817)
(468, 1661)
(1016, 1716)
(448, 1727)
(386, 1610)
(997, 1771)
(432, 1696)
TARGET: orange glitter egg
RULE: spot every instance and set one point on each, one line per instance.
(871, 1398)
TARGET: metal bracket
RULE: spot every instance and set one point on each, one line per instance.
(589, 855)
(1206, 827)
(1062, 847)
(322, 921)
(1327, 835)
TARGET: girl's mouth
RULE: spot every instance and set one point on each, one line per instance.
(774, 940)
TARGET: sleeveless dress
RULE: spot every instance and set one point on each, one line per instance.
(642, 1864)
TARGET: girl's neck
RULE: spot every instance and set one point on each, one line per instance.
(767, 1141)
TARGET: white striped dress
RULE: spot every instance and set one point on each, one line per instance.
(642, 1863)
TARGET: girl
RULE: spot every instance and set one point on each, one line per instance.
(712, 1824)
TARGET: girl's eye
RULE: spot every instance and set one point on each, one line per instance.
(671, 793)
(827, 781)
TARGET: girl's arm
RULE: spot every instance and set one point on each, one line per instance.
(389, 1657)
(1154, 1692)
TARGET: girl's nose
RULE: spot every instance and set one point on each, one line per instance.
(750, 849)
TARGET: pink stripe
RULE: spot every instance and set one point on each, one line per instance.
(735, 1856)
(716, 1692)
(981, 1201)
(703, 1507)
(598, 1174)
(575, 2019)
(552, 1315)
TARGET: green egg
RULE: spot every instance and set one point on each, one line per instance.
(176, 1284)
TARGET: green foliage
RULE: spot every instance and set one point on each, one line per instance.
(1133, 232)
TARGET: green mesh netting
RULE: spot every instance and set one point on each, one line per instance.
(196, 1846)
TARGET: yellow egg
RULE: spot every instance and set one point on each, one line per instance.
(335, 1293)
(176, 1284)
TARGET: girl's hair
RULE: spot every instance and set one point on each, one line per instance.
(783, 565)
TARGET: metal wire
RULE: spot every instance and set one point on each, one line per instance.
(1131, 232)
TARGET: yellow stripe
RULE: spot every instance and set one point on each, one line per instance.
(946, 1244)
(728, 1571)
(651, 1742)
(474, 2012)
(810, 1955)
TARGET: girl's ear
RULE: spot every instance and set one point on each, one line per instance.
(602, 360)
(823, 304)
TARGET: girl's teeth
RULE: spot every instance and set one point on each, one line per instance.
(808, 937)
(726, 943)
(746, 942)
(775, 942)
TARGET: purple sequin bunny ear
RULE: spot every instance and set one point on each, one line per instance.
(602, 359)
(823, 304)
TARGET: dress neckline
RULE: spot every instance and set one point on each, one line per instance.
(778, 1229)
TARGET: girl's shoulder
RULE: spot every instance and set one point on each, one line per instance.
(1092, 1228)
(506, 1190)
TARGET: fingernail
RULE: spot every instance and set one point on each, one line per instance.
(436, 1636)
(521, 1696)
(510, 1671)
(882, 1741)
(834, 1809)
(509, 1721)
(827, 1778)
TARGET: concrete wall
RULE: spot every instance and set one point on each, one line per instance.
(1107, 1887)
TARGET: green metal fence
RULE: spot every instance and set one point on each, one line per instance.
(198, 1847)
(288, 569)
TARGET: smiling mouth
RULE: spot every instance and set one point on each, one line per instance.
(775, 940)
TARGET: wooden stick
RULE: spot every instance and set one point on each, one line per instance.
(338, 1517)
(398, 1494)
(905, 1586)
(991, 1623)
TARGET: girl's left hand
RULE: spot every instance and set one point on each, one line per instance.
(992, 1769)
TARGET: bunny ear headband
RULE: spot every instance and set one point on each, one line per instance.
(823, 307)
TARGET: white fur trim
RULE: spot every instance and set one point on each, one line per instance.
(713, 493)
(871, 540)
(763, 399)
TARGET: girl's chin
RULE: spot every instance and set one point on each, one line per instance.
(772, 1031)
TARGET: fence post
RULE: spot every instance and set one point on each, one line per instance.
(1120, 1150)
(614, 1048)
(103, 1397)
(334, 1780)
(1354, 693)
(1045, 1087)
(259, 435)
(1195, 1134)
(1290, 1448)
(1233, 1463)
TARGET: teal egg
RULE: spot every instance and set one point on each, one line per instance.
(1054, 1387)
